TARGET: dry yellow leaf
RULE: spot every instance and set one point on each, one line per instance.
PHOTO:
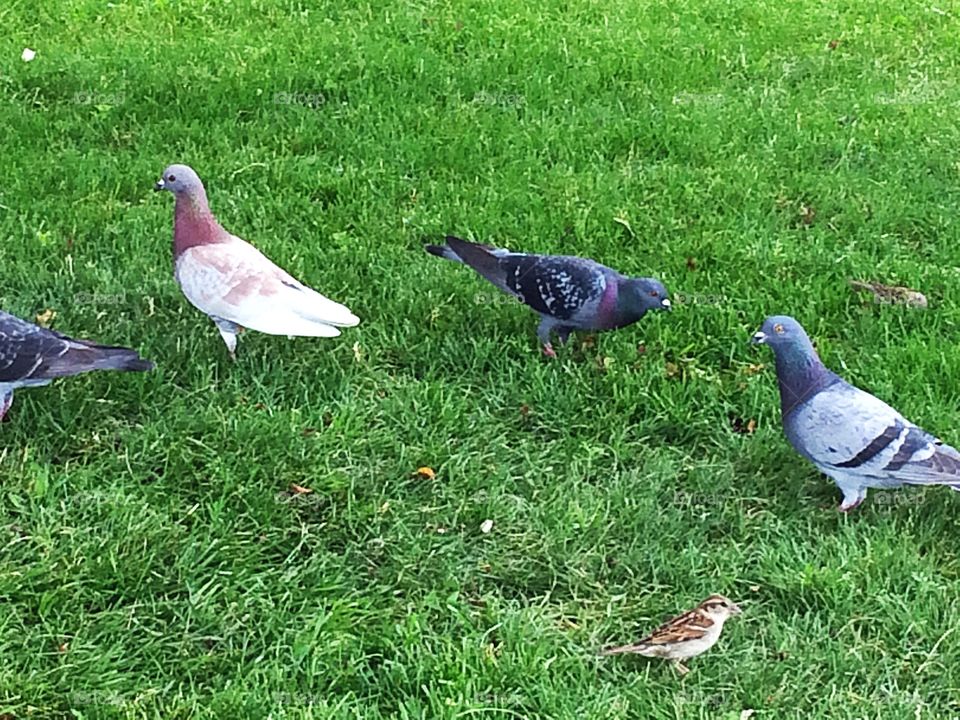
(46, 317)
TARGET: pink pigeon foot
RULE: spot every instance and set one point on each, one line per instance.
(844, 508)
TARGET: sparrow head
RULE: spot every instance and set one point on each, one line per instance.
(717, 607)
(644, 294)
(180, 180)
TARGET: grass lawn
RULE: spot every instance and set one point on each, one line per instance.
(154, 562)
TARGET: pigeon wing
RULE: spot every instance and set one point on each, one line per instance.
(237, 282)
(23, 347)
(554, 285)
(851, 433)
(32, 354)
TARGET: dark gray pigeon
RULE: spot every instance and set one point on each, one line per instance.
(32, 356)
(850, 435)
(570, 293)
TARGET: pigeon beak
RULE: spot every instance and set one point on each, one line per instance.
(666, 304)
(758, 338)
(159, 185)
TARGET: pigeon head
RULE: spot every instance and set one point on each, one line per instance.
(193, 223)
(800, 373)
(181, 180)
(637, 295)
(783, 334)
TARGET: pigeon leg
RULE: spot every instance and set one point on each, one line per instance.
(546, 326)
(680, 667)
(563, 333)
(853, 495)
(228, 331)
(6, 400)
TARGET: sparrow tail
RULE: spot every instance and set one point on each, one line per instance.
(623, 649)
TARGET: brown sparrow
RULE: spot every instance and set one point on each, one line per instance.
(892, 293)
(685, 636)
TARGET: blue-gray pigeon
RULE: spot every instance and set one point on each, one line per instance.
(32, 356)
(570, 293)
(850, 435)
(232, 282)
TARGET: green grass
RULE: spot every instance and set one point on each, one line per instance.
(153, 563)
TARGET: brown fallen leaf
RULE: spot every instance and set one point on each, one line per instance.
(691, 263)
(426, 473)
(807, 214)
(299, 489)
(524, 411)
(892, 294)
(46, 317)
(833, 44)
(741, 426)
(641, 349)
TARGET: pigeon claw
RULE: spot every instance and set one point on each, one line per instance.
(549, 351)
(845, 508)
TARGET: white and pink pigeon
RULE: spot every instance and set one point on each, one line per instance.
(232, 282)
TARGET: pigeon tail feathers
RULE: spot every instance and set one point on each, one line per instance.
(442, 251)
(83, 357)
(447, 253)
(478, 257)
(326, 311)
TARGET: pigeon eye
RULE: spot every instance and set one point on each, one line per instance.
(171, 178)
(778, 329)
(654, 293)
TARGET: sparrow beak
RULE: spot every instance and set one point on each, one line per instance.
(159, 185)
(666, 304)
(735, 609)
(759, 338)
